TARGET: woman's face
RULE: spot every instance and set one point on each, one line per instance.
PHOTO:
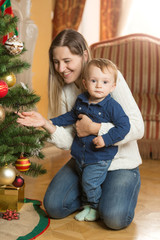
(68, 65)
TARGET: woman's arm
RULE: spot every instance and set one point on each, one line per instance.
(61, 137)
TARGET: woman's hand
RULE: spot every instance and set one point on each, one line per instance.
(86, 127)
(98, 142)
(31, 119)
(35, 119)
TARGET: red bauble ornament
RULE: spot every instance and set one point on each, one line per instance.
(22, 164)
(3, 89)
(18, 182)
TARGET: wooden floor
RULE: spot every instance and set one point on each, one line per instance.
(146, 224)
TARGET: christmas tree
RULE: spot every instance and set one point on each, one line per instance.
(18, 144)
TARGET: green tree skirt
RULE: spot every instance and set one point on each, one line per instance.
(43, 224)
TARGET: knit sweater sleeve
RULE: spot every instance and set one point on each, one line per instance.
(123, 96)
(121, 122)
(63, 136)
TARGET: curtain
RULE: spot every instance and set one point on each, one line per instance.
(110, 11)
(67, 14)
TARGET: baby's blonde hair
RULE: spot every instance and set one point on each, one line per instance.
(101, 63)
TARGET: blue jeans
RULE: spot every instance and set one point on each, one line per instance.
(91, 178)
(118, 200)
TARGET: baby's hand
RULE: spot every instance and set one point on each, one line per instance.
(98, 142)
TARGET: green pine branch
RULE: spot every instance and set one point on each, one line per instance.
(4, 54)
(6, 155)
(5, 57)
(10, 121)
(26, 140)
(7, 24)
(15, 66)
(15, 139)
(35, 170)
(20, 98)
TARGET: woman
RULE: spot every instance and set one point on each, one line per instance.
(68, 54)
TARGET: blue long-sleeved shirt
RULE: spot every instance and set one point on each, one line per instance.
(108, 110)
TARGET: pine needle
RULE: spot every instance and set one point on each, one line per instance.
(35, 170)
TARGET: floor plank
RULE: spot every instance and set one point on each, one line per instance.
(146, 224)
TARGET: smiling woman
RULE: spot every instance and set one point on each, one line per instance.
(67, 64)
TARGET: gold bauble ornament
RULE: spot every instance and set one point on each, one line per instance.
(7, 175)
(10, 79)
(2, 114)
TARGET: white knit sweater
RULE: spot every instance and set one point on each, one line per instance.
(128, 156)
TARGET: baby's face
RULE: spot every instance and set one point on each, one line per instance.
(99, 84)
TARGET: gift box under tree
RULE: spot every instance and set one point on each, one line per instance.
(11, 198)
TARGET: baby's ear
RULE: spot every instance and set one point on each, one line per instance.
(84, 83)
(113, 87)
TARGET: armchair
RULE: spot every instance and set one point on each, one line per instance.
(138, 58)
